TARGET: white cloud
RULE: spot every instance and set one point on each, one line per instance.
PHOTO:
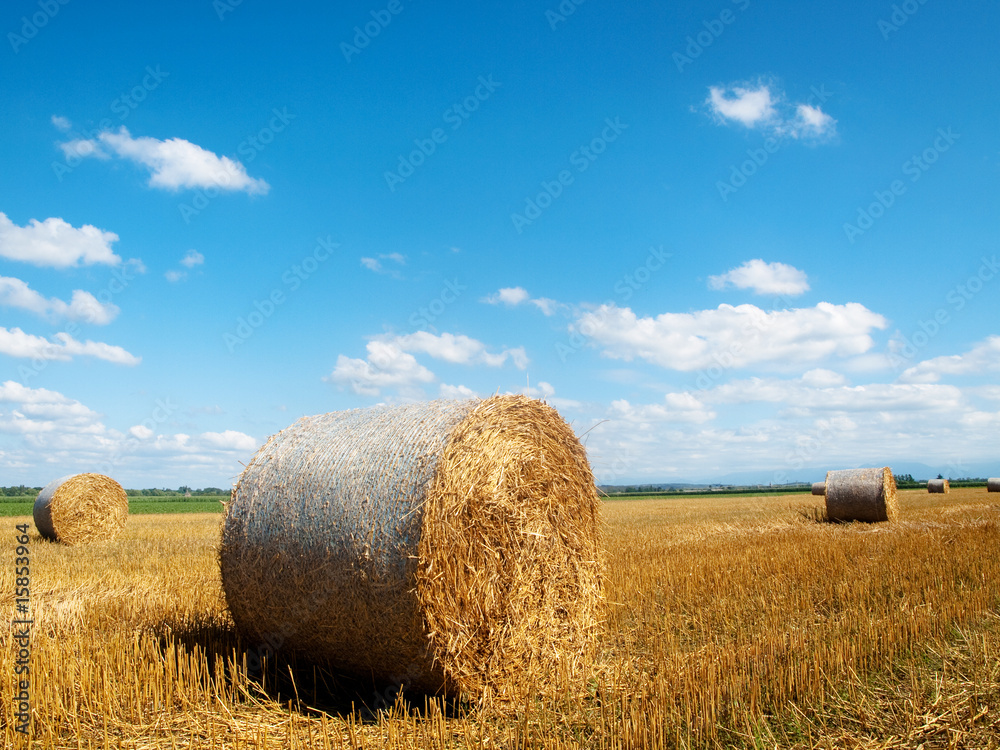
(16, 343)
(981, 359)
(142, 432)
(192, 258)
(390, 361)
(230, 440)
(174, 275)
(46, 432)
(676, 407)
(733, 337)
(515, 295)
(173, 163)
(749, 106)
(83, 306)
(763, 278)
(61, 122)
(459, 349)
(812, 121)
(55, 243)
(387, 365)
(457, 392)
(763, 106)
(375, 264)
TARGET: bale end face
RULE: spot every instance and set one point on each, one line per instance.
(861, 495)
(81, 508)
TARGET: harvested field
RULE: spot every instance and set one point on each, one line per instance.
(733, 622)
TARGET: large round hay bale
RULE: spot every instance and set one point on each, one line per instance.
(81, 508)
(861, 495)
(819, 488)
(449, 546)
(993, 484)
(938, 486)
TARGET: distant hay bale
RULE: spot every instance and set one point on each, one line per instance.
(449, 546)
(819, 488)
(938, 486)
(993, 484)
(861, 495)
(81, 508)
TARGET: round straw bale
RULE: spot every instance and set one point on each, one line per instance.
(81, 508)
(449, 546)
(938, 486)
(861, 495)
(993, 484)
(819, 488)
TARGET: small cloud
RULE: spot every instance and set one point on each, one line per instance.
(175, 276)
(173, 164)
(141, 432)
(61, 122)
(763, 106)
(812, 121)
(83, 306)
(16, 343)
(763, 278)
(515, 295)
(54, 243)
(375, 264)
(192, 258)
(456, 249)
(458, 392)
(748, 106)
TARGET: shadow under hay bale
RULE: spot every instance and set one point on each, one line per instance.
(819, 488)
(449, 546)
(81, 508)
(861, 495)
(938, 486)
(993, 484)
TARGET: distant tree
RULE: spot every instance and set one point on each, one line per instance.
(940, 477)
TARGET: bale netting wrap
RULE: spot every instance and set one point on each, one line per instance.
(861, 495)
(819, 488)
(993, 484)
(81, 508)
(938, 486)
(449, 546)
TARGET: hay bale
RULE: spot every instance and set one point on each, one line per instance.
(819, 488)
(938, 486)
(449, 546)
(81, 508)
(861, 495)
(993, 484)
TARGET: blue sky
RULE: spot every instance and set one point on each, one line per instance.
(735, 237)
